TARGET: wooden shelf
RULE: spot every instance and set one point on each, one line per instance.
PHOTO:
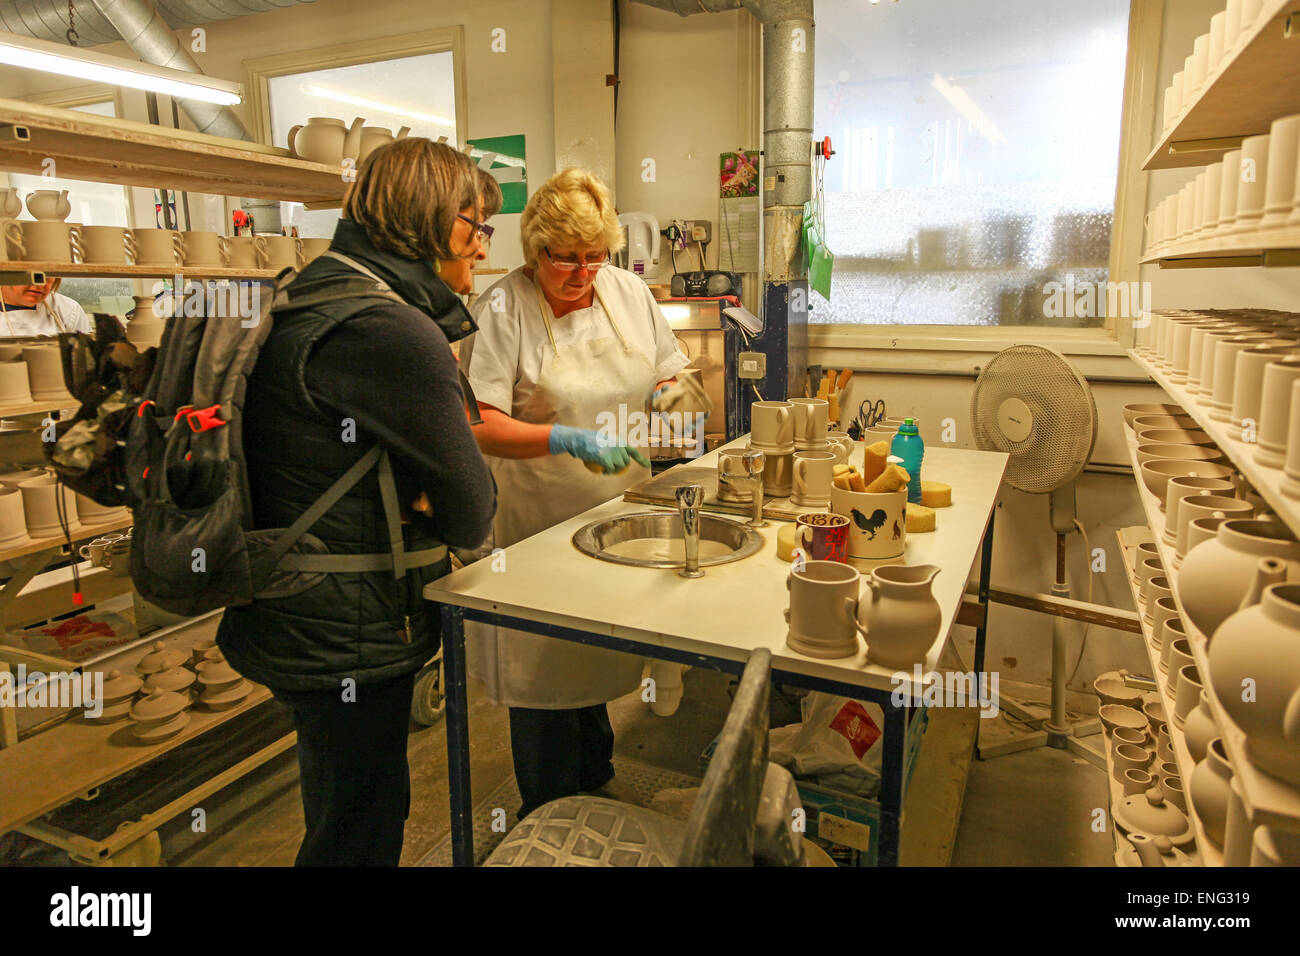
(79, 532)
(111, 150)
(1267, 481)
(78, 269)
(1252, 87)
(39, 408)
(1269, 801)
(1208, 853)
(1271, 247)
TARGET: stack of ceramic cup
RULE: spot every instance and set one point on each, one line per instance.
(772, 433)
(159, 716)
(119, 695)
(15, 383)
(223, 686)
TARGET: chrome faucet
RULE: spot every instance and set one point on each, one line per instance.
(689, 500)
(754, 462)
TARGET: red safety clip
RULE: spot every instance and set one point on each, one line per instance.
(181, 411)
(144, 406)
(201, 419)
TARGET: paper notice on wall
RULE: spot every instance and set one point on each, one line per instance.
(738, 234)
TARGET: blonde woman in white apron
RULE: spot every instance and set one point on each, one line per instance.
(560, 341)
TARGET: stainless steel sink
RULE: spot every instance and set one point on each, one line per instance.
(607, 538)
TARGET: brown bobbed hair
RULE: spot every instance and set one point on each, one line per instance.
(491, 189)
(408, 193)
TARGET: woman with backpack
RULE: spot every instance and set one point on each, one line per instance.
(331, 382)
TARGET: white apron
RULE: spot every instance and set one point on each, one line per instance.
(576, 384)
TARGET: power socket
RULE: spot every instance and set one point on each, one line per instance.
(701, 230)
(751, 365)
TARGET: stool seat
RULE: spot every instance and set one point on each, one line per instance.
(591, 831)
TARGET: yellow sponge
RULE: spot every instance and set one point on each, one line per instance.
(891, 479)
(785, 542)
(874, 459)
(935, 494)
(919, 519)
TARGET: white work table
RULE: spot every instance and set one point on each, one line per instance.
(714, 621)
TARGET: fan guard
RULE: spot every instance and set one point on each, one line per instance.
(1034, 405)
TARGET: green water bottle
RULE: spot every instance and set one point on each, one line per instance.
(909, 446)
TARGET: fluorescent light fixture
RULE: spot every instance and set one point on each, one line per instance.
(338, 96)
(49, 57)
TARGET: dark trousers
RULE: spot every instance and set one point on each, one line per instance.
(560, 753)
(356, 785)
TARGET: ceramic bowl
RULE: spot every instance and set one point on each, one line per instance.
(1117, 715)
(1112, 690)
(1175, 436)
(1155, 711)
(1130, 735)
(1156, 452)
(1147, 410)
(1156, 474)
(1144, 422)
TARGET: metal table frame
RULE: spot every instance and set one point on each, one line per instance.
(457, 713)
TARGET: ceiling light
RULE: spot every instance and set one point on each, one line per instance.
(49, 57)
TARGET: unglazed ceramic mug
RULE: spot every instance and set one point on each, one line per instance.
(778, 472)
(841, 445)
(40, 505)
(772, 425)
(13, 522)
(811, 418)
(107, 245)
(1254, 181)
(823, 537)
(95, 550)
(158, 247)
(278, 252)
(49, 240)
(204, 249)
(45, 372)
(15, 389)
(823, 611)
(813, 471)
(242, 252)
(1279, 191)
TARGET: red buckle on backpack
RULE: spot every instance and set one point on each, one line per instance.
(144, 407)
(181, 411)
(201, 419)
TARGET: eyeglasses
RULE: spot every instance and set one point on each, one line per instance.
(483, 229)
(573, 265)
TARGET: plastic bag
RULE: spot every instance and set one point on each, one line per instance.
(836, 743)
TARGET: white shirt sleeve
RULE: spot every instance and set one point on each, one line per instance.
(490, 357)
(73, 315)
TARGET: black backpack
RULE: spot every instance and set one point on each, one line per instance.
(181, 468)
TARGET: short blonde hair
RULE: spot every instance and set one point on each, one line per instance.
(407, 195)
(572, 208)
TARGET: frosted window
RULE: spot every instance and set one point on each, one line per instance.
(977, 147)
(414, 91)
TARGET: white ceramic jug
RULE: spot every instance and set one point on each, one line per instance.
(902, 618)
(10, 203)
(49, 204)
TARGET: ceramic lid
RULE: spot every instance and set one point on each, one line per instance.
(1148, 813)
(161, 658)
(118, 685)
(226, 694)
(159, 706)
(174, 678)
(215, 670)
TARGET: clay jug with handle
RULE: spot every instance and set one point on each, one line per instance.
(10, 203)
(352, 141)
(49, 204)
(320, 140)
(902, 618)
(1217, 574)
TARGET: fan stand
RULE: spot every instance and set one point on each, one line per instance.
(1055, 730)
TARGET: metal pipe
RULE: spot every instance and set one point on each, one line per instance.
(47, 19)
(689, 500)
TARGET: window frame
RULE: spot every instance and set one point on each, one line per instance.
(1142, 60)
(258, 71)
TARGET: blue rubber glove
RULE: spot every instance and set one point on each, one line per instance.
(586, 445)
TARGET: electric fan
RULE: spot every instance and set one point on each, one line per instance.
(1034, 405)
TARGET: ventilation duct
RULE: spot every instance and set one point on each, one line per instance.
(48, 19)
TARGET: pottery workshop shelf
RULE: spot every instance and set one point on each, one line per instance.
(99, 271)
(111, 150)
(1207, 853)
(1269, 801)
(79, 532)
(1267, 481)
(37, 408)
(1268, 248)
(1253, 86)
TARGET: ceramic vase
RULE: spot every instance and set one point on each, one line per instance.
(1209, 790)
(902, 617)
(1217, 574)
(1255, 654)
(1199, 729)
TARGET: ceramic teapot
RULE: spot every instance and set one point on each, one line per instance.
(51, 204)
(1258, 649)
(1158, 851)
(352, 141)
(372, 137)
(1149, 814)
(902, 618)
(321, 140)
(1217, 574)
(10, 203)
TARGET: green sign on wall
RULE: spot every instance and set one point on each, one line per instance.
(504, 156)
